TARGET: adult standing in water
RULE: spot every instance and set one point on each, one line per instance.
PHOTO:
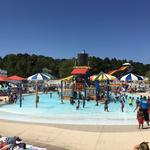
(122, 105)
(145, 106)
(83, 101)
(78, 105)
(106, 106)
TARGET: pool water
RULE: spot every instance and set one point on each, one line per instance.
(50, 110)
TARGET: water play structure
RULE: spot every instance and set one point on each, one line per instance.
(79, 78)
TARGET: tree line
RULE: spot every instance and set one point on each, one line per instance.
(25, 65)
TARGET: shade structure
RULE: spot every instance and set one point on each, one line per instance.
(131, 77)
(79, 71)
(103, 77)
(3, 78)
(38, 77)
(69, 78)
(16, 78)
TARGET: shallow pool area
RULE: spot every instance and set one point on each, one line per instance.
(50, 110)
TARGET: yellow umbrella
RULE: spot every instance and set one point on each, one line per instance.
(104, 76)
(69, 78)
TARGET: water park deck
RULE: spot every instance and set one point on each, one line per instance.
(72, 137)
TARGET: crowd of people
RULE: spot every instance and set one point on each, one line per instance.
(143, 111)
(142, 105)
(16, 143)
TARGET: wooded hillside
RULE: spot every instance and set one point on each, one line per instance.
(26, 65)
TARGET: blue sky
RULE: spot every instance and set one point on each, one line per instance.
(62, 28)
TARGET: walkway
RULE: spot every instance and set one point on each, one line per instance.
(70, 137)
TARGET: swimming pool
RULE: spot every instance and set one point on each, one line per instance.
(50, 110)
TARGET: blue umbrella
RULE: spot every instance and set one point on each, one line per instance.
(38, 77)
(131, 77)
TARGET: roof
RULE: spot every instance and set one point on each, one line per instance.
(16, 78)
(77, 71)
(3, 78)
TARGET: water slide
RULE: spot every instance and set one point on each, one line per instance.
(122, 68)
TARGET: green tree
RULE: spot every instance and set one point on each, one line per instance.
(9, 63)
(66, 67)
(26, 65)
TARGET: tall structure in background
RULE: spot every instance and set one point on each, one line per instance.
(82, 58)
(80, 72)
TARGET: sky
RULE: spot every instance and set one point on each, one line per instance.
(63, 28)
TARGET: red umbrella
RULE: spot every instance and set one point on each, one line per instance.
(3, 78)
(16, 78)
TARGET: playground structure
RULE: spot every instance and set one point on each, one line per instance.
(79, 85)
(76, 85)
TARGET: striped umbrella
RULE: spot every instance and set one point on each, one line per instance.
(102, 77)
(131, 77)
(38, 77)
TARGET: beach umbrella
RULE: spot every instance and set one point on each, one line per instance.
(69, 78)
(3, 78)
(104, 77)
(16, 78)
(131, 77)
(38, 77)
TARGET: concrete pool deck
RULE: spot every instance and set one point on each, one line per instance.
(77, 137)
